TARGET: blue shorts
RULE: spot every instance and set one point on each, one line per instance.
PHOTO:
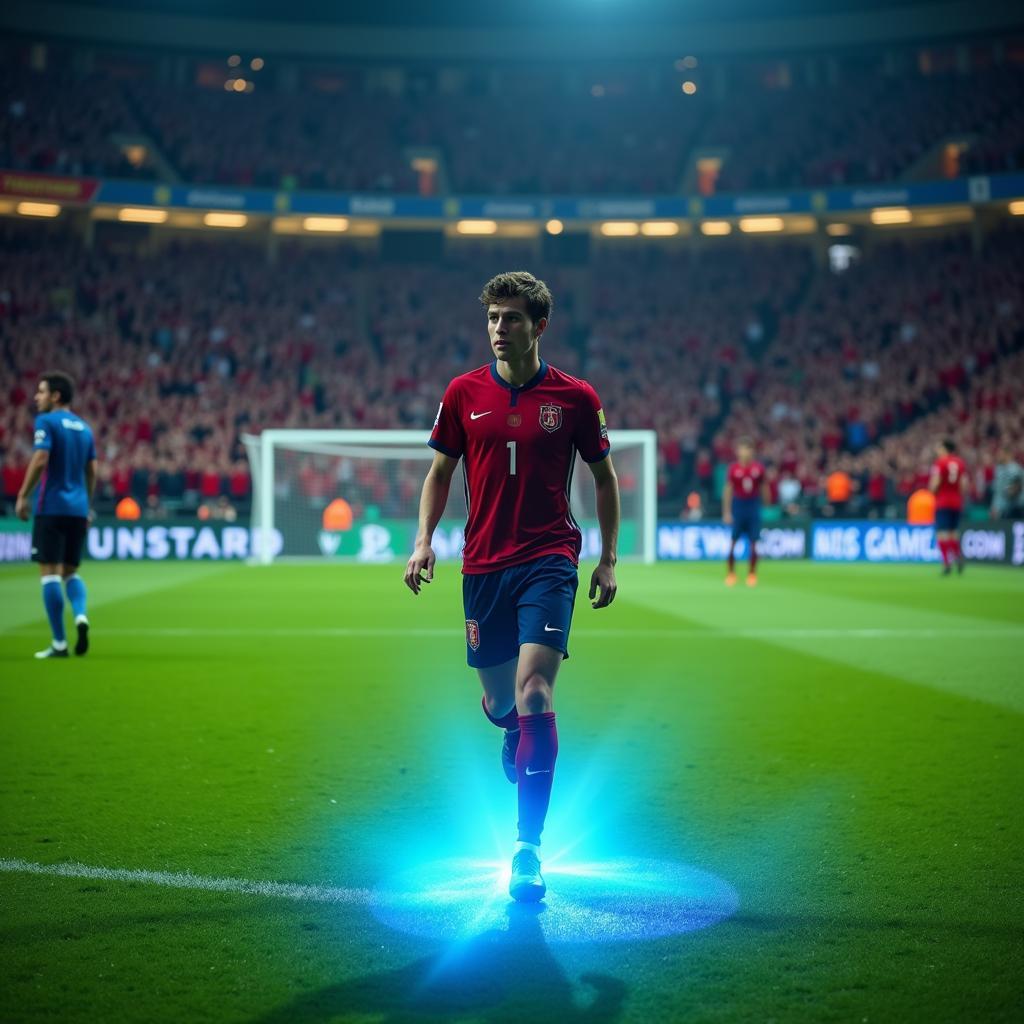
(530, 603)
(947, 520)
(746, 521)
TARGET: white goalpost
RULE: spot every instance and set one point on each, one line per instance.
(354, 495)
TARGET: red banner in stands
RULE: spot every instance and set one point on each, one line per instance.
(46, 186)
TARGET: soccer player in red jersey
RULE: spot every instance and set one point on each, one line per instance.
(746, 488)
(517, 424)
(948, 483)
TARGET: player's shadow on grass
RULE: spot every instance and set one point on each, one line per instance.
(497, 976)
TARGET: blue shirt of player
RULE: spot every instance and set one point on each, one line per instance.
(69, 441)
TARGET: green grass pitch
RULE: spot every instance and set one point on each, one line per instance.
(842, 745)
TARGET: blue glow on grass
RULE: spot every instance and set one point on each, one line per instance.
(620, 900)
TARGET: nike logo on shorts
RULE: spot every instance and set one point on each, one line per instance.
(539, 771)
(477, 415)
(552, 629)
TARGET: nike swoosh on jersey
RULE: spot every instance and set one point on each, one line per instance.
(539, 771)
(552, 629)
(477, 415)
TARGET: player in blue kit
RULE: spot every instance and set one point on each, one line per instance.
(63, 465)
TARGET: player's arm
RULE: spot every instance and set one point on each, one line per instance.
(606, 486)
(934, 480)
(727, 503)
(433, 499)
(39, 461)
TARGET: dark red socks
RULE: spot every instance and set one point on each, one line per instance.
(535, 763)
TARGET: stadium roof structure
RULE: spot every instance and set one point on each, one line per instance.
(468, 29)
(473, 14)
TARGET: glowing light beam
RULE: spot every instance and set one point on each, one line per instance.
(620, 900)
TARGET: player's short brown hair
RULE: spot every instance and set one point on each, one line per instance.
(516, 283)
(61, 382)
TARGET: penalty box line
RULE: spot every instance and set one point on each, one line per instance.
(295, 892)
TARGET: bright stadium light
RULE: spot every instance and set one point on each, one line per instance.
(325, 223)
(477, 227)
(759, 225)
(555, 227)
(716, 227)
(215, 219)
(620, 228)
(1017, 208)
(141, 215)
(891, 215)
(689, 87)
(38, 209)
(659, 228)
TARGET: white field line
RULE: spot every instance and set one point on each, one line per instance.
(186, 880)
(766, 633)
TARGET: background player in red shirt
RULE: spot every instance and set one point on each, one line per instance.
(746, 488)
(517, 424)
(948, 483)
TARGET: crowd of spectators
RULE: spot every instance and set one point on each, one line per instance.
(898, 341)
(271, 140)
(577, 131)
(872, 128)
(182, 349)
(64, 123)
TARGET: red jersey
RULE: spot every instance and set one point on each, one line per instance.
(746, 481)
(951, 469)
(519, 449)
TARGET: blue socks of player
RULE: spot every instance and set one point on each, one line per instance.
(75, 587)
(535, 764)
(53, 602)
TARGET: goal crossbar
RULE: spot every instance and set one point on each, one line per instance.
(411, 444)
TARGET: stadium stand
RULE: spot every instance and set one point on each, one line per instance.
(60, 122)
(183, 348)
(863, 122)
(869, 127)
(870, 353)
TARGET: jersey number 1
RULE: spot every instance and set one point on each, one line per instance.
(511, 446)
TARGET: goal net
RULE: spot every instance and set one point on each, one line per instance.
(354, 494)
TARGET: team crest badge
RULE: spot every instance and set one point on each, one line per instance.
(473, 634)
(550, 417)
